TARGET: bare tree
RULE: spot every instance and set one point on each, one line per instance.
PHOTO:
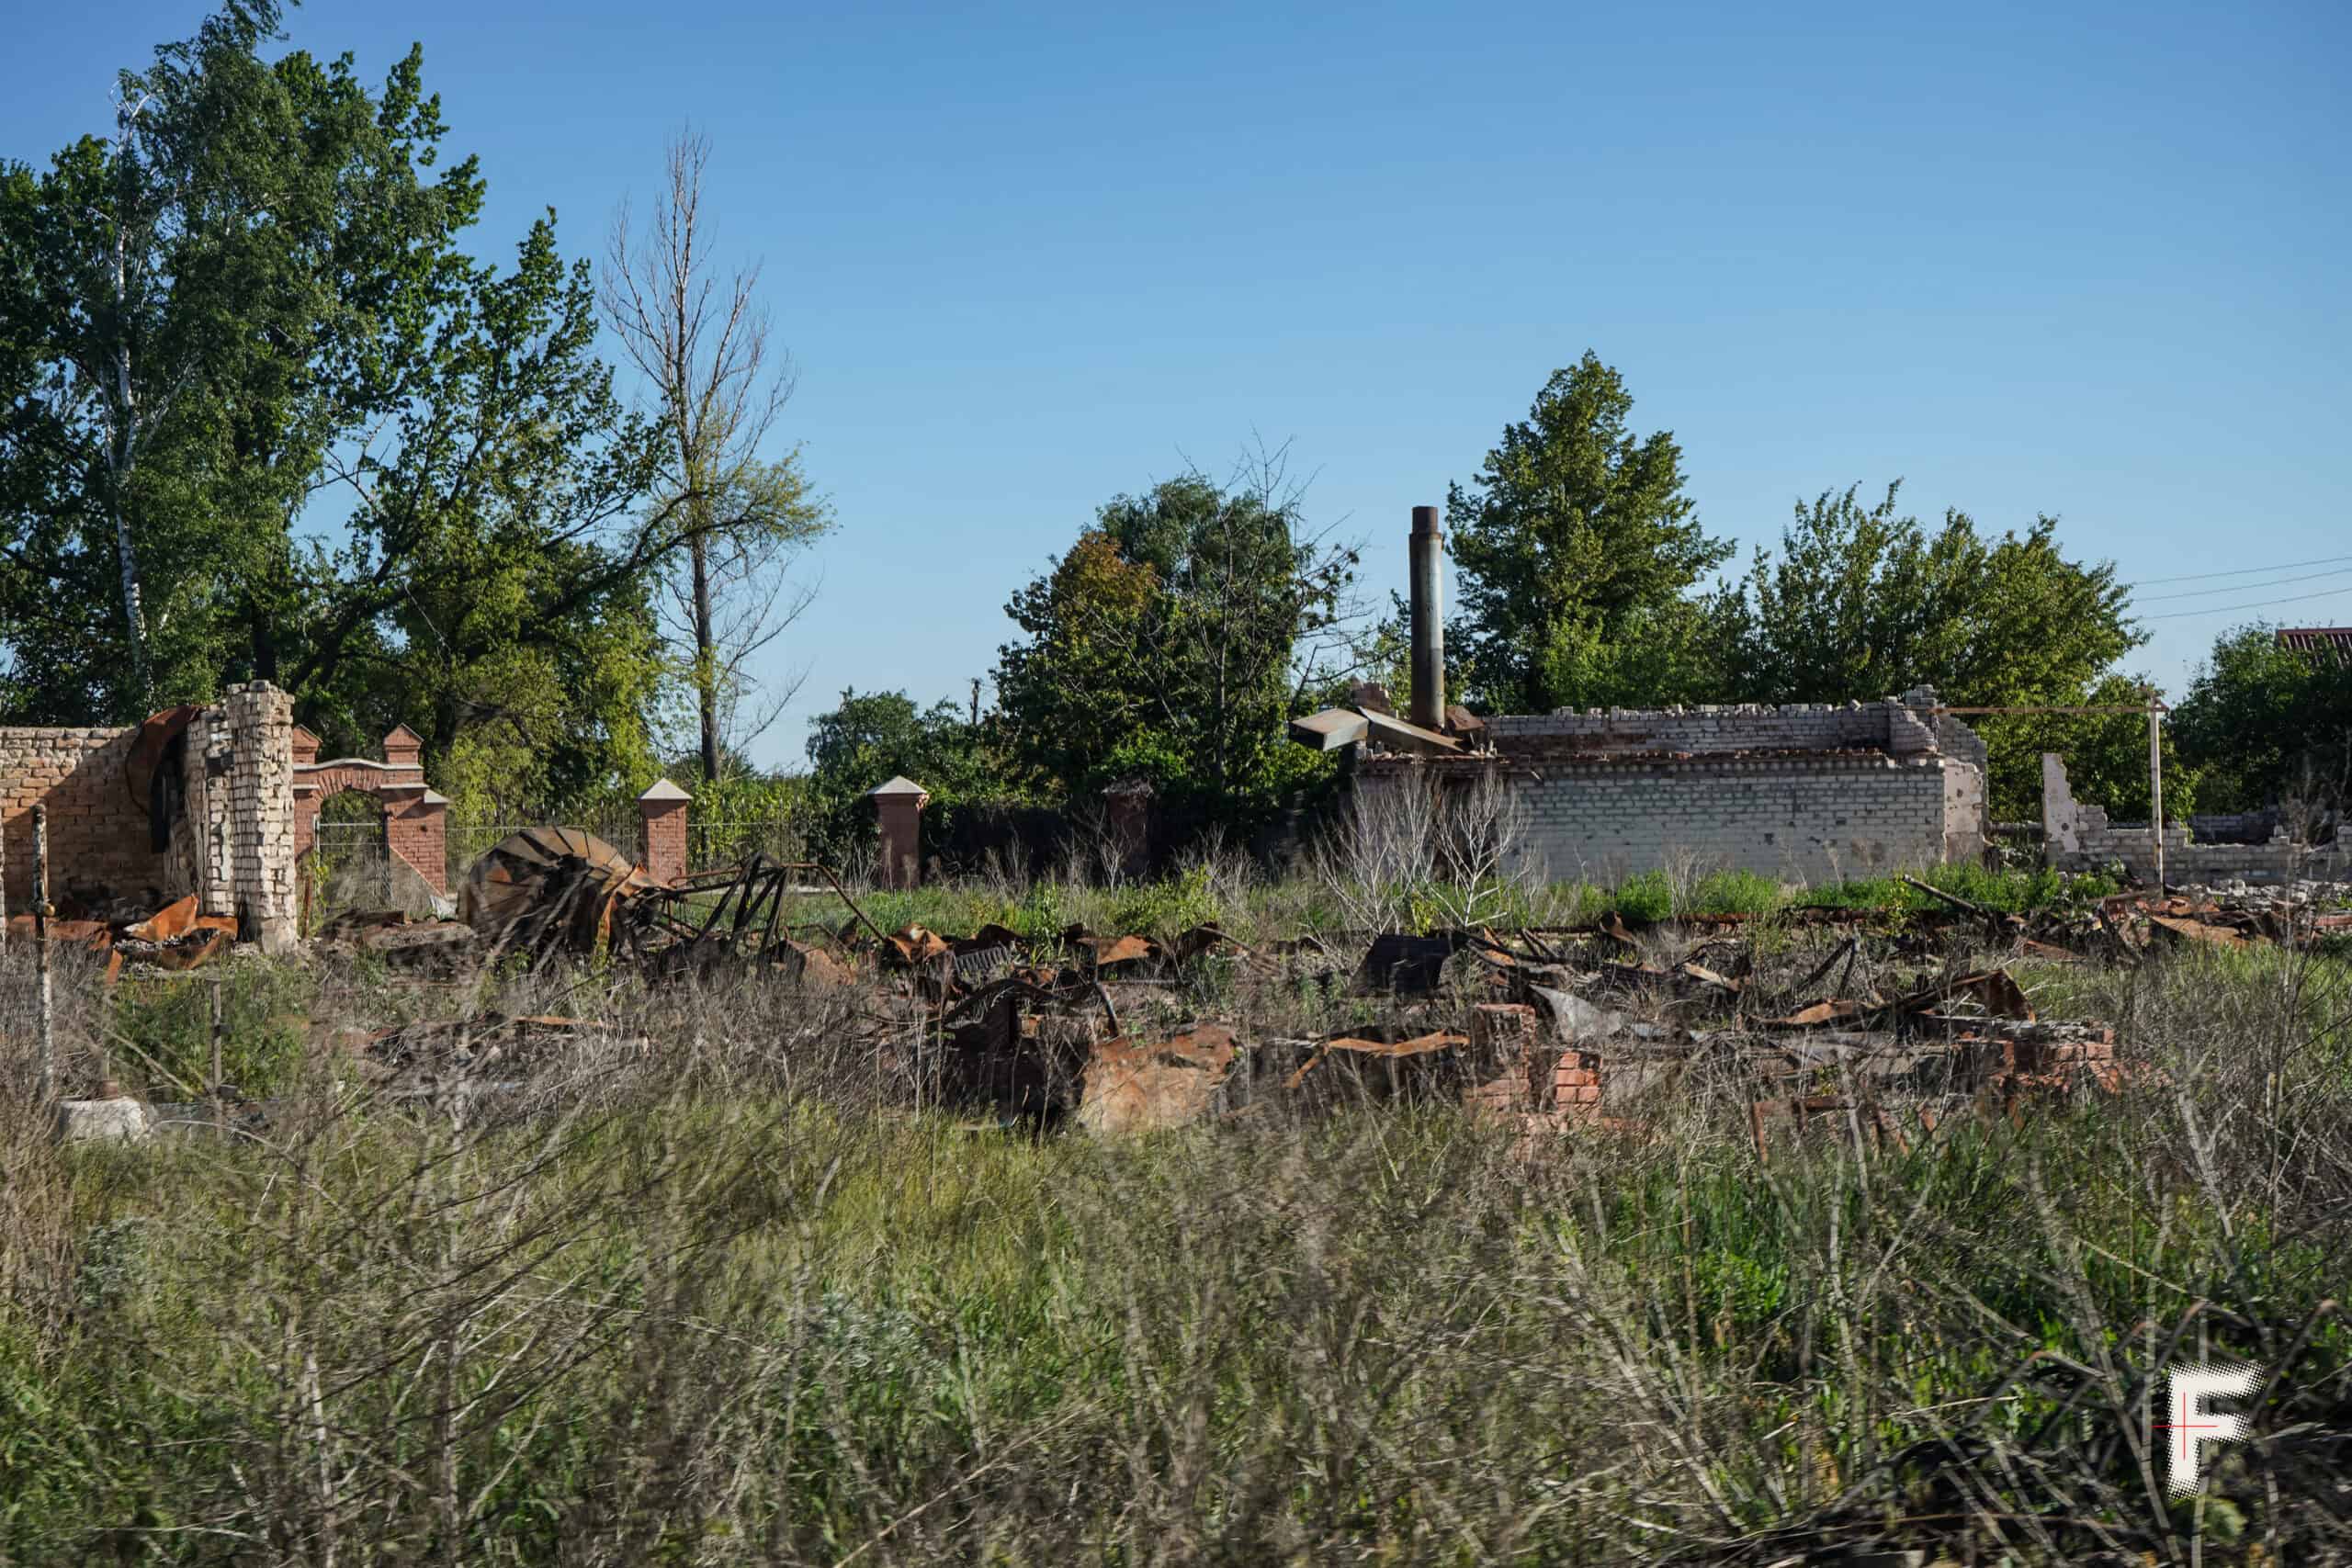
(702, 340)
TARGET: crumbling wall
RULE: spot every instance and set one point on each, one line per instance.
(2077, 836)
(98, 835)
(232, 843)
(1707, 728)
(1805, 792)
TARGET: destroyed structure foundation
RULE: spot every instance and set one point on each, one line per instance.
(1805, 793)
(1800, 793)
(2077, 836)
(196, 800)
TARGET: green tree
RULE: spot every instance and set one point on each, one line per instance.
(197, 307)
(872, 737)
(1862, 603)
(1577, 550)
(498, 563)
(2268, 725)
(1173, 640)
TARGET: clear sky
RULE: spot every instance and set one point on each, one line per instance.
(2088, 260)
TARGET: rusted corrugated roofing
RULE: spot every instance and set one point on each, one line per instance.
(2318, 640)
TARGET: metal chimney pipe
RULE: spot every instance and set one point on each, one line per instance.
(1429, 620)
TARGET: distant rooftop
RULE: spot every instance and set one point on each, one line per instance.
(2318, 640)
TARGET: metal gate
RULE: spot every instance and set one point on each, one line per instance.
(350, 864)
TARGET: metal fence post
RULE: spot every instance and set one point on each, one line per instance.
(47, 1025)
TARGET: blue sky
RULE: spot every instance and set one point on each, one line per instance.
(2084, 260)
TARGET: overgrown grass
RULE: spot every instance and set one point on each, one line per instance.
(1255, 910)
(712, 1306)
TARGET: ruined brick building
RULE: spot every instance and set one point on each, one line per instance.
(1799, 793)
(1805, 793)
(197, 800)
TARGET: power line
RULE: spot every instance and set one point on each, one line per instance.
(2256, 605)
(2241, 571)
(2247, 587)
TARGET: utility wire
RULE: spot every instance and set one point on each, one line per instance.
(2257, 605)
(2248, 587)
(2241, 571)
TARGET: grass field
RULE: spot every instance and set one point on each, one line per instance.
(724, 1303)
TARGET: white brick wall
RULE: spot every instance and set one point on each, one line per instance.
(1802, 820)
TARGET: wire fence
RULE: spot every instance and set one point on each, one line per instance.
(726, 841)
(350, 866)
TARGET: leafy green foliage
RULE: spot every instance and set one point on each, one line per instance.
(1648, 896)
(167, 1023)
(872, 737)
(197, 310)
(2009, 891)
(1576, 546)
(1171, 643)
(2266, 724)
(261, 417)
(1862, 603)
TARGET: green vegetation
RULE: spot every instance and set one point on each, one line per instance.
(2268, 724)
(1255, 911)
(162, 1030)
(695, 1317)
(263, 414)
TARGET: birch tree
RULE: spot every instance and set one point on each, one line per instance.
(703, 342)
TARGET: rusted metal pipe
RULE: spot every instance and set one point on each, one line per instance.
(1429, 620)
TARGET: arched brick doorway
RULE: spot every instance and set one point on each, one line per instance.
(415, 820)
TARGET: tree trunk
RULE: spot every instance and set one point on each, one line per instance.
(122, 442)
(134, 613)
(706, 661)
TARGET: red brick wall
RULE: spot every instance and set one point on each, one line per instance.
(415, 821)
(97, 835)
(666, 839)
(416, 829)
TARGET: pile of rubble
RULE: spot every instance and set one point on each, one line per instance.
(1599, 1027)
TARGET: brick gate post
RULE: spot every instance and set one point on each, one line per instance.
(898, 809)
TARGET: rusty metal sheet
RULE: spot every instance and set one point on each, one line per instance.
(1103, 951)
(1993, 988)
(96, 935)
(189, 950)
(550, 889)
(2196, 930)
(155, 738)
(917, 945)
(1818, 1016)
(1354, 1047)
(1708, 977)
(1134, 1087)
(176, 920)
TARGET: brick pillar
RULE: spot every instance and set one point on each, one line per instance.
(665, 809)
(1128, 806)
(306, 747)
(261, 813)
(416, 829)
(898, 809)
(403, 747)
